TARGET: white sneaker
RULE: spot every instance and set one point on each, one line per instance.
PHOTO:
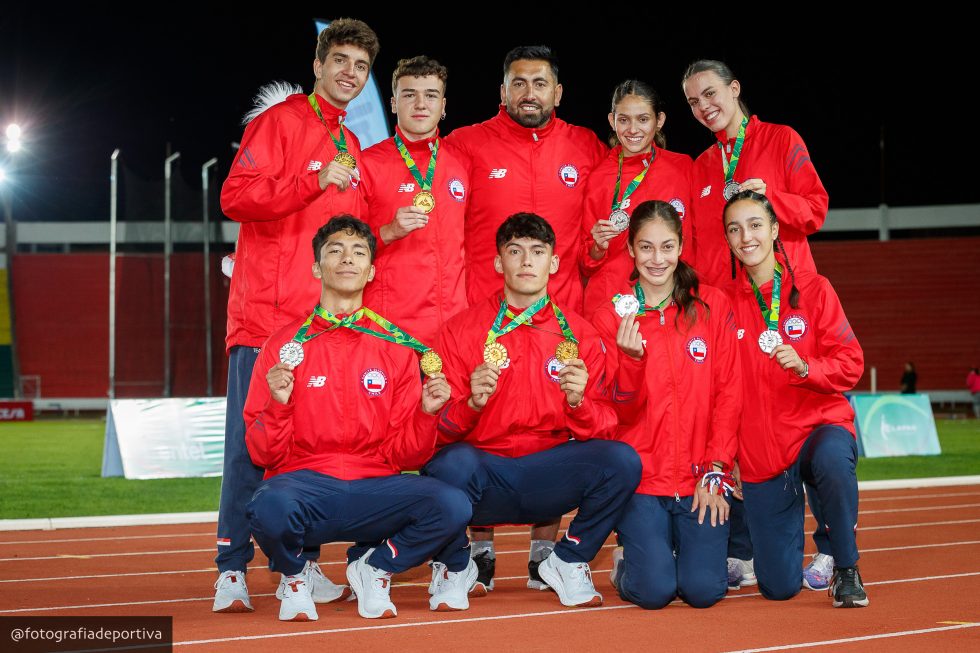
(372, 587)
(322, 589)
(231, 593)
(452, 588)
(741, 573)
(571, 581)
(296, 601)
(437, 571)
(818, 573)
(617, 560)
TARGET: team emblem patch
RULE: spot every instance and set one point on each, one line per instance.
(374, 381)
(568, 175)
(678, 206)
(457, 190)
(697, 349)
(553, 367)
(706, 191)
(794, 327)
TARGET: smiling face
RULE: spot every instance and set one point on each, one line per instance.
(635, 123)
(656, 250)
(750, 233)
(344, 267)
(713, 102)
(342, 74)
(419, 103)
(527, 264)
(530, 92)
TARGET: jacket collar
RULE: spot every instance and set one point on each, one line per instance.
(528, 134)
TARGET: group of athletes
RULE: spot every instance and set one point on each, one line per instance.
(538, 325)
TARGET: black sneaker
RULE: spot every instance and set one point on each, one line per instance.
(485, 568)
(847, 589)
(534, 580)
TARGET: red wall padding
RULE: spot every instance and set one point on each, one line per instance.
(915, 300)
(910, 300)
(61, 304)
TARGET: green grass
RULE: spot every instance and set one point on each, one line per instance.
(53, 466)
(959, 440)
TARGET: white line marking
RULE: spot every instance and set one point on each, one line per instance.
(422, 584)
(831, 642)
(52, 523)
(109, 555)
(862, 529)
(891, 510)
(111, 539)
(915, 546)
(911, 497)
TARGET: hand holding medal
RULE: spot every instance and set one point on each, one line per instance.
(483, 383)
(603, 231)
(789, 359)
(435, 393)
(628, 336)
(407, 219)
(572, 380)
(280, 379)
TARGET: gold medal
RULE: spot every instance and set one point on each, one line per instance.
(346, 159)
(494, 353)
(430, 363)
(566, 351)
(424, 201)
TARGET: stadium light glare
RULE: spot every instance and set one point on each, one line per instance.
(14, 131)
(14, 146)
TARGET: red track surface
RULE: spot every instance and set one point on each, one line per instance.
(920, 562)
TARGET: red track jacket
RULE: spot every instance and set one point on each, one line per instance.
(419, 279)
(780, 409)
(514, 169)
(272, 189)
(777, 155)
(679, 406)
(355, 411)
(528, 412)
(669, 180)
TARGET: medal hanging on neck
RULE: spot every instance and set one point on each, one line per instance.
(620, 219)
(770, 338)
(732, 186)
(343, 157)
(424, 200)
(636, 303)
(292, 351)
(495, 353)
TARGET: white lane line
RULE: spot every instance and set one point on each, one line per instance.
(862, 529)
(422, 584)
(110, 539)
(910, 497)
(82, 556)
(864, 638)
(919, 546)
(953, 507)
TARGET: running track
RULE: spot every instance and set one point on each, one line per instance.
(920, 562)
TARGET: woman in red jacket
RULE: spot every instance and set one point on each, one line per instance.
(636, 170)
(677, 389)
(798, 356)
(748, 154)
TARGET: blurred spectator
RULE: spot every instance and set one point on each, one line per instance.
(909, 377)
(973, 385)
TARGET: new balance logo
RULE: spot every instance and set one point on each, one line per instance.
(706, 191)
(406, 188)
(498, 173)
(314, 165)
(316, 382)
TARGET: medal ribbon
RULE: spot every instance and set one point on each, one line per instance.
(729, 167)
(425, 184)
(562, 322)
(394, 333)
(633, 184)
(341, 143)
(770, 315)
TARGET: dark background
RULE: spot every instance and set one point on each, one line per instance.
(84, 82)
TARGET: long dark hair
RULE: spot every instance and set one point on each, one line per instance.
(686, 292)
(644, 91)
(763, 201)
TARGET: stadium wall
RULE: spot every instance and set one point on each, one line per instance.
(915, 300)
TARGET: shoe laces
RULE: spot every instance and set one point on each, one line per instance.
(313, 570)
(580, 573)
(845, 579)
(380, 581)
(822, 564)
(230, 577)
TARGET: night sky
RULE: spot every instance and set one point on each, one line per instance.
(83, 83)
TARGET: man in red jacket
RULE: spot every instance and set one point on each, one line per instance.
(525, 159)
(333, 415)
(519, 367)
(296, 165)
(416, 188)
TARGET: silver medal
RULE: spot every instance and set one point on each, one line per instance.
(620, 220)
(291, 353)
(627, 304)
(730, 189)
(769, 340)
